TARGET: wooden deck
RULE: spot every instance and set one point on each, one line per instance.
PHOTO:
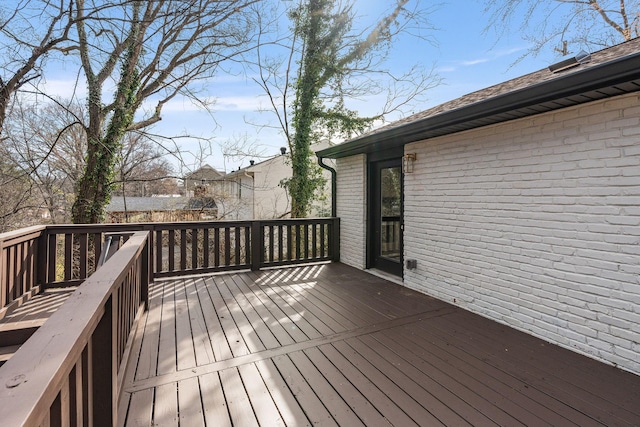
(331, 345)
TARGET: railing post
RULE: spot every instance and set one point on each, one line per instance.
(335, 240)
(3, 280)
(145, 274)
(257, 243)
(104, 370)
(43, 260)
(147, 265)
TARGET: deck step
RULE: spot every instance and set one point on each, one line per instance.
(19, 325)
(16, 333)
(6, 353)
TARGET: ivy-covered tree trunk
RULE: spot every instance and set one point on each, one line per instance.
(93, 189)
(163, 48)
(328, 55)
(301, 187)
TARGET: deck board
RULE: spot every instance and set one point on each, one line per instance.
(548, 375)
(165, 406)
(38, 308)
(499, 398)
(201, 339)
(231, 330)
(374, 371)
(167, 339)
(219, 344)
(364, 385)
(286, 330)
(263, 405)
(185, 342)
(190, 403)
(213, 401)
(290, 308)
(238, 402)
(149, 336)
(328, 344)
(470, 393)
(290, 411)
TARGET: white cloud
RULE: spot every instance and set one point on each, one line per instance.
(446, 69)
(238, 103)
(222, 103)
(474, 62)
(65, 89)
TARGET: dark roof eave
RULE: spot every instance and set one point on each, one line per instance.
(593, 78)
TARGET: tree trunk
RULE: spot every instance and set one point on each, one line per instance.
(301, 187)
(96, 183)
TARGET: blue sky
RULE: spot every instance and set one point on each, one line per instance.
(465, 58)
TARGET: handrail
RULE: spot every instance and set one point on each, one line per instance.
(69, 368)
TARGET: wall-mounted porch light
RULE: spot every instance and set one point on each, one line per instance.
(407, 162)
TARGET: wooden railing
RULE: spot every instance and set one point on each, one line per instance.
(203, 247)
(70, 371)
(19, 261)
(65, 255)
(72, 252)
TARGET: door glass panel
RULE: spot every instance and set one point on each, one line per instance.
(390, 212)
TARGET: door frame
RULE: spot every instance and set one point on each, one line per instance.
(374, 167)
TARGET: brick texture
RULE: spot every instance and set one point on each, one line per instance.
(534, 223)
(351, 209)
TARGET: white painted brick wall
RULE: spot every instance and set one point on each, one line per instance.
(536, 223)
(351, 209)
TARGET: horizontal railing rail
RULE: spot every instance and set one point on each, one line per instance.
(70, 371)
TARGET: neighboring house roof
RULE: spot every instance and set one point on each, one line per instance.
(252, 167)
(259, 165)
(205, 172)
(610, 72)
(117, 204)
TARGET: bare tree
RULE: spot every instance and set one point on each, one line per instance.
(142, 168)
(566, 25)
(45, 144)
(18, 207)
(328, 63)
(30, 30)
(154, 51)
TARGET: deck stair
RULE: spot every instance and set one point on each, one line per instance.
(18, 325)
